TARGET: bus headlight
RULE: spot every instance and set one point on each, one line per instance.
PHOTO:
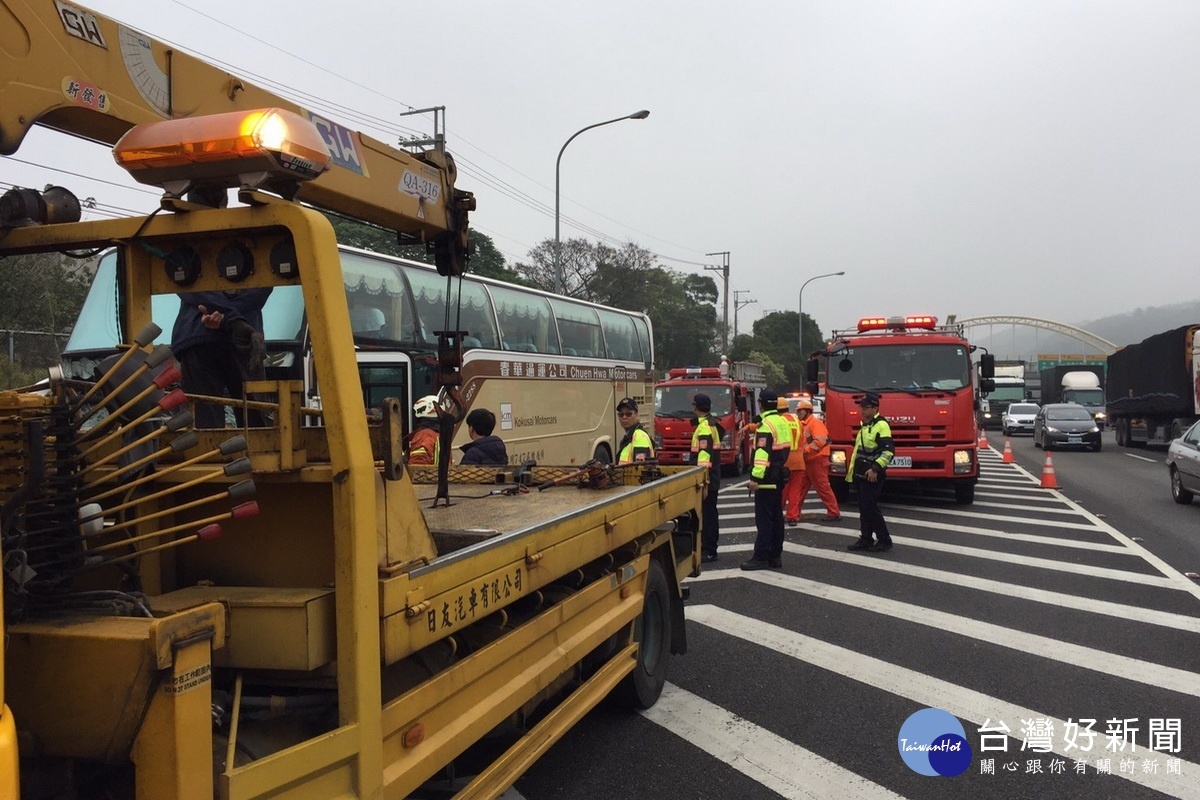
(962, 462)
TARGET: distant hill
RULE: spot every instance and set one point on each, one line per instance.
(1020, 342)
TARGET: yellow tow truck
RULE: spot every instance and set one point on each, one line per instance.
(284, 611)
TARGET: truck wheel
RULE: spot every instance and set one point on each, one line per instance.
(1178, 493)
(964, 493)
(1176, 430)
(736, 468)
(652, 632)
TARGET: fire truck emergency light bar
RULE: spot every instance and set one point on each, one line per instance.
(922, 322)
(238, 148)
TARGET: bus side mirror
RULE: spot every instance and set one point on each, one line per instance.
(987, 366)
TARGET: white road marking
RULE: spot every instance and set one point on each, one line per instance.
(781, 766)
(966, 704)
(1143, 458)
(1148, 616)
(1124, 667)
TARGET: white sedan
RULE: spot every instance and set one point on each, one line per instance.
(1183, 462)
(1018, 418)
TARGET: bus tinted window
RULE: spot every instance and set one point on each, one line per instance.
(475, 316)
(380, 306)
(429, 296)
(525, 324)
(643, 330)
(580, 329)
(620, 336)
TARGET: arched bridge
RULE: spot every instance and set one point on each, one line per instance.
(1079, 334)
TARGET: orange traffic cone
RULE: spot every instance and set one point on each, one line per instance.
(1048, 479)
(983, 440)
(1007, 457)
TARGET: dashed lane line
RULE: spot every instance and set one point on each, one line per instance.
(966, 704)
(778, 764)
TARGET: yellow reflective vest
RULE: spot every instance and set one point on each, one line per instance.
(772, 444)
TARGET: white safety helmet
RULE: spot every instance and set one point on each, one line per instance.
(426, 407)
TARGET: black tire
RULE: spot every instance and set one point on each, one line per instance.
(964, 493)
(1178, 493)
(1096, 446)
(1176, 430)
(603, 454)
(652, 631)
(736, 468)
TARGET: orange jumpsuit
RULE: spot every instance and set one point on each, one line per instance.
(815, 443)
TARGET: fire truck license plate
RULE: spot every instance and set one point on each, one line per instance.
(900, 461)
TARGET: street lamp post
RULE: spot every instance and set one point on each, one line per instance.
(558, 275)
(800, 303)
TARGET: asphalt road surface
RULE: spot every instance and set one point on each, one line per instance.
(1054, 626)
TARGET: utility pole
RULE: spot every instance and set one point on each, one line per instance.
(738, 305)
(724, 296)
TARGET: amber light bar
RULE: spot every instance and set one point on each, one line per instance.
(248, 148)
(914, 321)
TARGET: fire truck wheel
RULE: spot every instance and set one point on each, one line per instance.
(652, 632)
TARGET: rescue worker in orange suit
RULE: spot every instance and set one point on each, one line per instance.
(425, 443)
(814, 441)
(791, 496)
(772, 444)
(706, 452)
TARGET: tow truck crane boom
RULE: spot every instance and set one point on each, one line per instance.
(79, 72)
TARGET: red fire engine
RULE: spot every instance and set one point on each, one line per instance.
(923, 376)
(733, 390)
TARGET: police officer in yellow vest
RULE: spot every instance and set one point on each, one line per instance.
(706, 452)
(868, 469)
(636, 446)
(772, 444)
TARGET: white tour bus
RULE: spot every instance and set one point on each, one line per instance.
(551, 369)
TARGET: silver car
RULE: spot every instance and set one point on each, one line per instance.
(1018, 418)
(1183, 462)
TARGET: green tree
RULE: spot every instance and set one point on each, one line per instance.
(486, 260)
(42, 292)
(776, 335)
(776, 376)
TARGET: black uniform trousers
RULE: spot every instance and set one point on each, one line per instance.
(870, 518)
(710, 526)
(768, 518)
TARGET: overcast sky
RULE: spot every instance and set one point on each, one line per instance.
(1035, 158)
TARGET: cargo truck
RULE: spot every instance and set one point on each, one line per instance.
(1076, 383)
(1009, 388)
(284, 610)
(1153, 388)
